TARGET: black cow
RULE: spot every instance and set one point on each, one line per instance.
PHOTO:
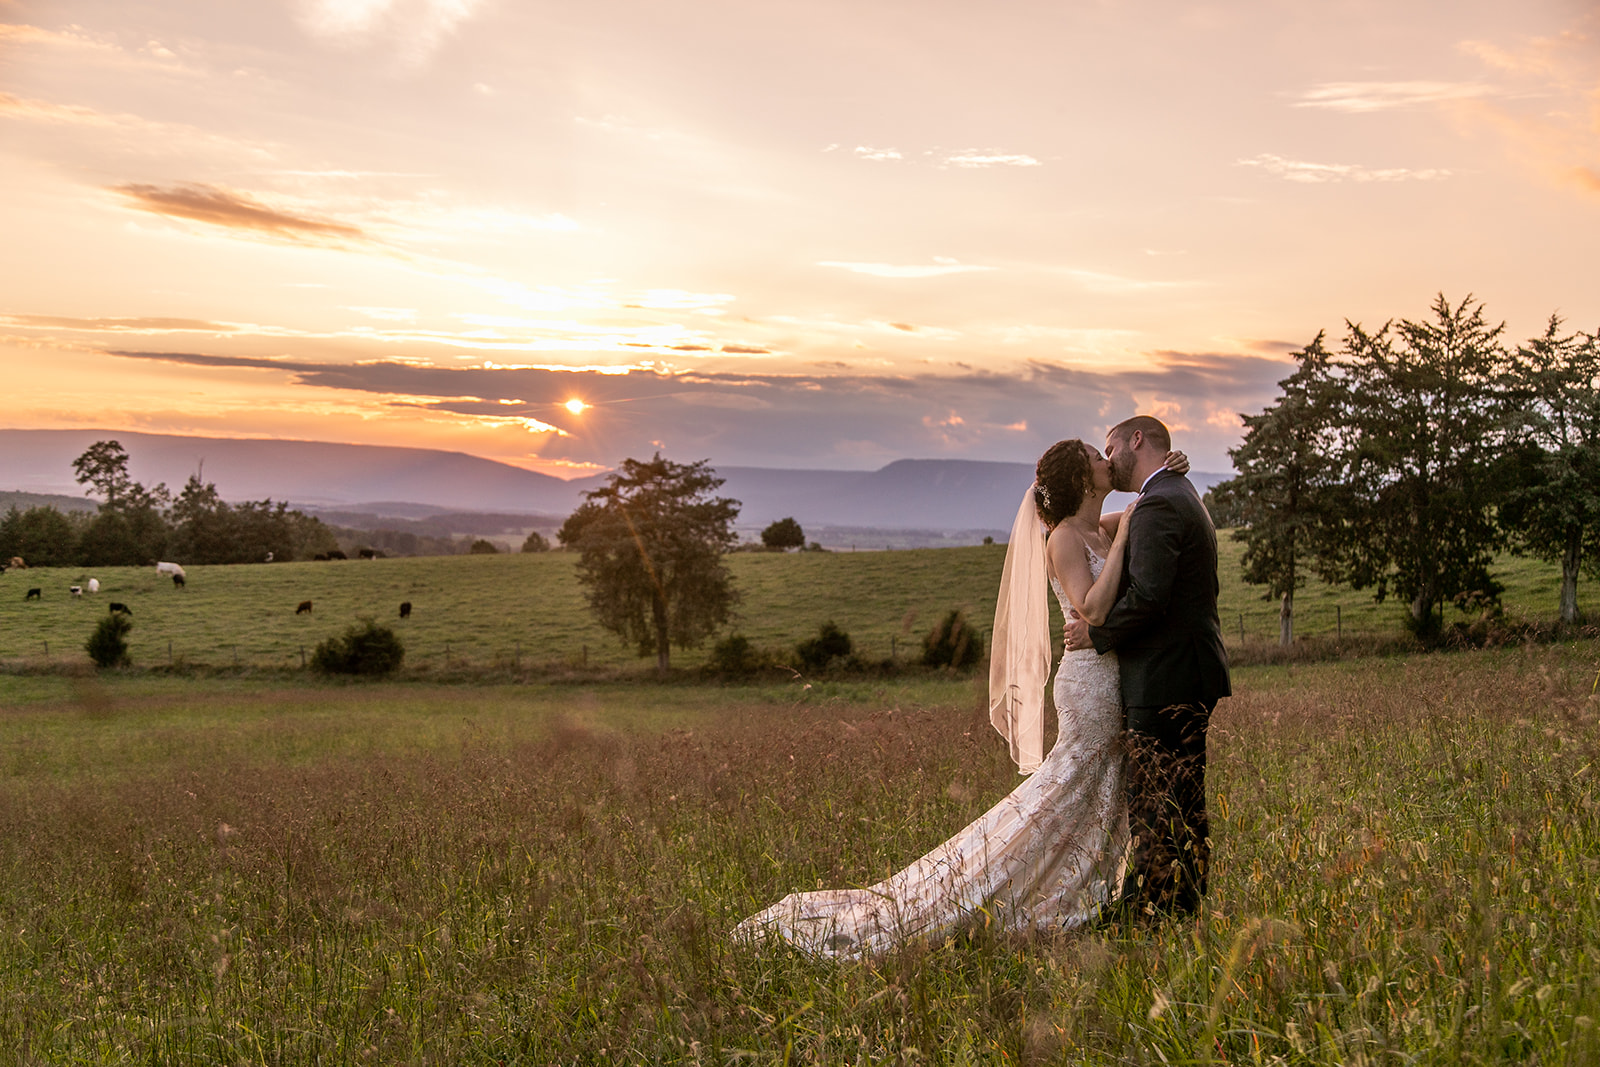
(336, 554)
(34, 594)
(368, 553)
(115, 607)
(405, 609)
(304, 608)
(178, 582)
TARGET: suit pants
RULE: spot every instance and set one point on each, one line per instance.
(1171, 849)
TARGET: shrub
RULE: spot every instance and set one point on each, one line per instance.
(821, 650)
(536, 542)
(365, 648)
(783, 534)
(108, 645)
(483, 547)
(952, 643)
(735, 655)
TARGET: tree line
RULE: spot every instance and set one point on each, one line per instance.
(1405, 460)
(136, 525)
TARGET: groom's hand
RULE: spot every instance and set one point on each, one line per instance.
(1076, 634)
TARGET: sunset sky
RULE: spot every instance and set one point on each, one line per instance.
(785, 234)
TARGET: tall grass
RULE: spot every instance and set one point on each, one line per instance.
(1405, 852)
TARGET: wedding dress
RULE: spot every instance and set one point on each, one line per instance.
(1046, 856)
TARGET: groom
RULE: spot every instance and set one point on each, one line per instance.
(1168, 639)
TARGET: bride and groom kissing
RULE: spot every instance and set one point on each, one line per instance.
(1110, 826)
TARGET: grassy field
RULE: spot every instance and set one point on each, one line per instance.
(244, 869)
(528, 611)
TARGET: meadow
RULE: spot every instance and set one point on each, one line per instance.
(246, 869)
(520, 612)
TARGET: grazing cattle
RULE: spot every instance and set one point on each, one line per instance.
(268, 559)
(94, 585)
(336, 554)
(405, 609)
(15, 564)
(178, 582)
(367, 553)
(115, 607)
(34, 594)
(75, 590)
(304, 608)
(169, 568)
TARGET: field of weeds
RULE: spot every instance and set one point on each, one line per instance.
(507, 615)
(230, 871)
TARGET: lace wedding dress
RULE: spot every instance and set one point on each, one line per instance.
(1048, 855)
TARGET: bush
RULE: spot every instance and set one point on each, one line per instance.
(735, 655)
(783, 534)
(108, 645)
(952, 643)
(536, 542)
(482, 547)
(365, 648)
(830, 643)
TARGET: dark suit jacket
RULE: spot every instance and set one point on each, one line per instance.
(1164, 624)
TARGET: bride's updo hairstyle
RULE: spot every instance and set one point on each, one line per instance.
(1061, 479)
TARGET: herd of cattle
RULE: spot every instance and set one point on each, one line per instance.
(179, 580)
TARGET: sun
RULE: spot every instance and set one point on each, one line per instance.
(576, 406)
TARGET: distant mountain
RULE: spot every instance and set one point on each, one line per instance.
(937, 500)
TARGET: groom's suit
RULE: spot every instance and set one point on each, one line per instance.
(1168, 638)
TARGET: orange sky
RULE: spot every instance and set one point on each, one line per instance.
(773, 234)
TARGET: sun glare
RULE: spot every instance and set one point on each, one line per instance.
(576, 406)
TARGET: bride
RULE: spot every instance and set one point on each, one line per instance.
(1049, 854)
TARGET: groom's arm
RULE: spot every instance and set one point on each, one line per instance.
(1155, 540)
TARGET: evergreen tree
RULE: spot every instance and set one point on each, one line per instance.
(42, 536)
(1285, 496)
(1552, 476)
(784, 534)
(650, 546)
(1423, 427)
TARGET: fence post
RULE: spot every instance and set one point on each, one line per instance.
(1241, 627)
(1338, 618)
(47, 650)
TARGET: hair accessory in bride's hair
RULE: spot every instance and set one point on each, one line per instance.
(1044, 495)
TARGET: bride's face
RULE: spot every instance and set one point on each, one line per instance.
(1100, 470)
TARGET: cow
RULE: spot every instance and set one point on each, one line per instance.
(367, 553)
(34, 594)
(336, 554)
(178, 582)
(115, 607)
(15, 564)
(169, 568)
(405, 609)
(304, 608)
(75, 590)
(94, 585)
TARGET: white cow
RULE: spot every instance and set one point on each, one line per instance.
(94, 585)
(170, 568)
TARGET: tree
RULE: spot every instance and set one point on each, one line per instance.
(1284, 498)
(108, 645)
(536, 542)
(483, 547)
(784, 534)
(42, 536)
(104, 466)
(650, 544)
(1424, 423)
(1552, 499)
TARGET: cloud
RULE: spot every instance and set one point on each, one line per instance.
(128, 325)
(1293, 170)
(877, 155)
(802, 419)
(415, 27)
(231, 210)
(1387, 96)
(891, 270)
(974, 158)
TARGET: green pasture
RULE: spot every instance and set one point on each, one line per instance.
(243, 869)
(528, 611)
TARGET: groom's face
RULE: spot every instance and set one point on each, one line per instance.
(1119, 453)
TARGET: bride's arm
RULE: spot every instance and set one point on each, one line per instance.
(1091, 600)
